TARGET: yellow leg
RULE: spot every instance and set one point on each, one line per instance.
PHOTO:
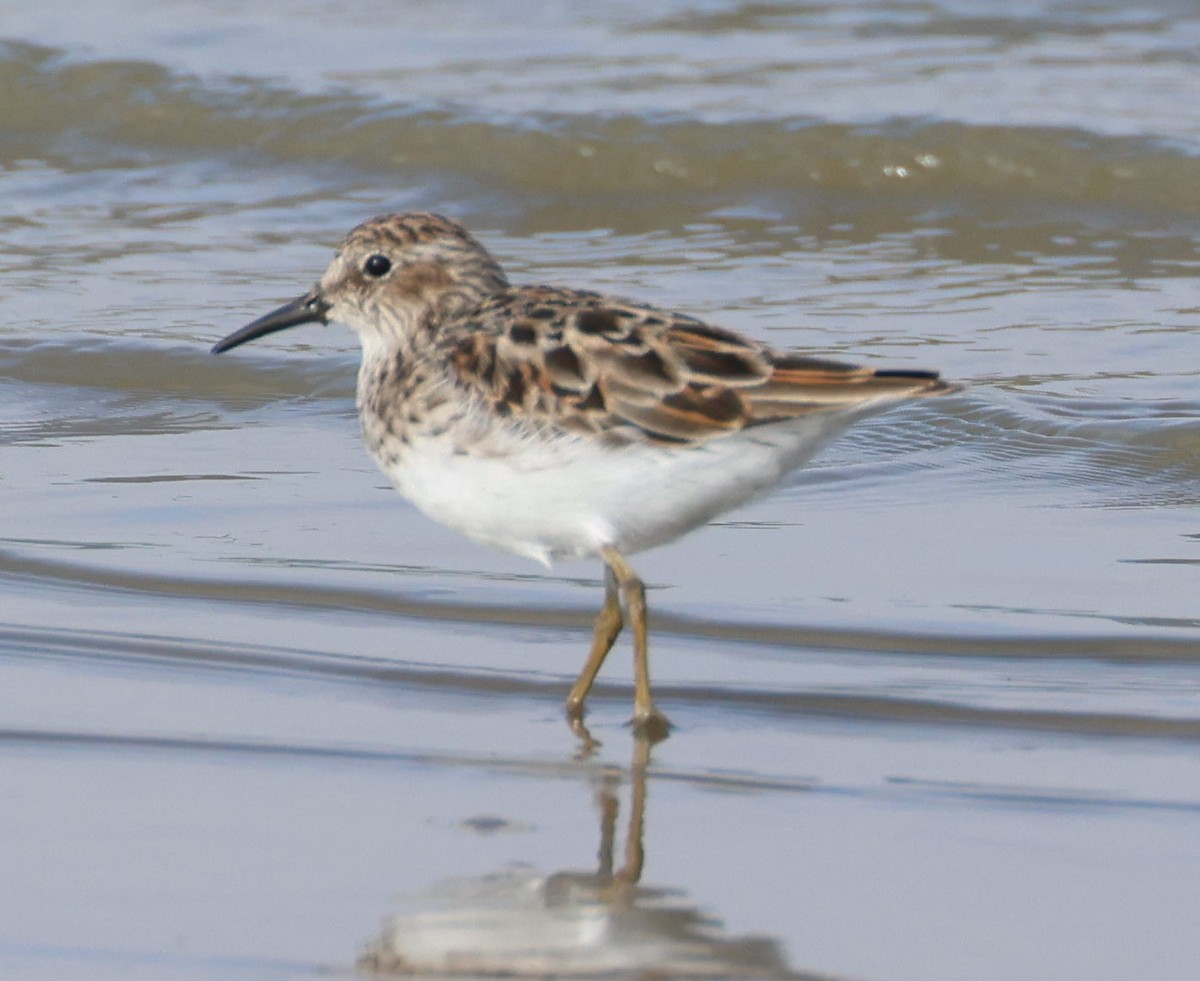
(608, 625)
(647, 721)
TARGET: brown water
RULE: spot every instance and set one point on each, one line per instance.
(938, 698)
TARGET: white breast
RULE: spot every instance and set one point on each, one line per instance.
(571, 496)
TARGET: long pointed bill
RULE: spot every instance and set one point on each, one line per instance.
(306, 309)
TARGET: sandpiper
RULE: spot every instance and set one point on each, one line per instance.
(559, 423)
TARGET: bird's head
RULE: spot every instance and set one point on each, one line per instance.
(390, 278)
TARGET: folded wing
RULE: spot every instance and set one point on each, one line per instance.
(582, 362)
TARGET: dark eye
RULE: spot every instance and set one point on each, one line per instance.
(377, 265)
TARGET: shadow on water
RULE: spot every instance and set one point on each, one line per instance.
(522, 922)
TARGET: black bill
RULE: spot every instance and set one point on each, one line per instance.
(306, 309)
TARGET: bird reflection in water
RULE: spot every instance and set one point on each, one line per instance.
(522, 923)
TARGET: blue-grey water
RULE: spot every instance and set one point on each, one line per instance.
(937, 698)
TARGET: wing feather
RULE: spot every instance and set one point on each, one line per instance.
(582, 362)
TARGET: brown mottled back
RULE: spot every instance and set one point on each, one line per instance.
(589, 363)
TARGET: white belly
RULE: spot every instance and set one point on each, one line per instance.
(572, 496)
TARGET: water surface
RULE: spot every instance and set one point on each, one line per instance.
(937, 698)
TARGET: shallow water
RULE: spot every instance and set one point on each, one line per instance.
(937, 699)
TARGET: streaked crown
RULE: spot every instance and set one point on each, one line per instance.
(399, 273)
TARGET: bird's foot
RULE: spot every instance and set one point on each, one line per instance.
(588, 744)
(651, 725)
